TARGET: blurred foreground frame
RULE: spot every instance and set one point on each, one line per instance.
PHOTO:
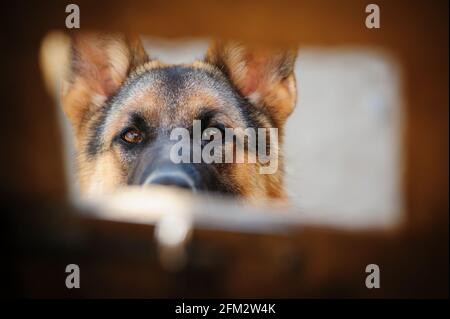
(43, 232)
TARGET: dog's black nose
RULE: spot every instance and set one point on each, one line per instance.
(176, 178)
(170, 180)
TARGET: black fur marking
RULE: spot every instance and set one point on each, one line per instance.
(94, 144)
(95, 128)
(174, 77)
(138, 122)
(206, 116)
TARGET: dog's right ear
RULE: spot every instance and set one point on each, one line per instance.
(265, 77)
(98, 65)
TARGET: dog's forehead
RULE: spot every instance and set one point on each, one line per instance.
(174, 95)
(173, 85)
(171, 96)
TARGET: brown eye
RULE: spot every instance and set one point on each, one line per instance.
(133, 136)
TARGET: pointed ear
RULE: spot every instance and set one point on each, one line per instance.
(266, 78)
(98, 65)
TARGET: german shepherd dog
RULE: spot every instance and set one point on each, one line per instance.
(122, 106)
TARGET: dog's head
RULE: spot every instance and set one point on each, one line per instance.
(125, 106)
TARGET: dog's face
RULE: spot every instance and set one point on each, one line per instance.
(123, 107)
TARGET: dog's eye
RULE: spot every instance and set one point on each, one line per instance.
(133, 136)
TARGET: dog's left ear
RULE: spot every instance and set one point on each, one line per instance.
(98, 65)
(266, 78)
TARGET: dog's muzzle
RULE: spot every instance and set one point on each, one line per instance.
(154, 167)
(171, 175)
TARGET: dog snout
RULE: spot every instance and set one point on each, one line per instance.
(155, 167)
(174, 177)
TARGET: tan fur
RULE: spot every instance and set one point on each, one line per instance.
(105, 63)
(260, 75)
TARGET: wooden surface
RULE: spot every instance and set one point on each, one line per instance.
(122, 260)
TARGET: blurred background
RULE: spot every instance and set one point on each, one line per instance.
(367, 159)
